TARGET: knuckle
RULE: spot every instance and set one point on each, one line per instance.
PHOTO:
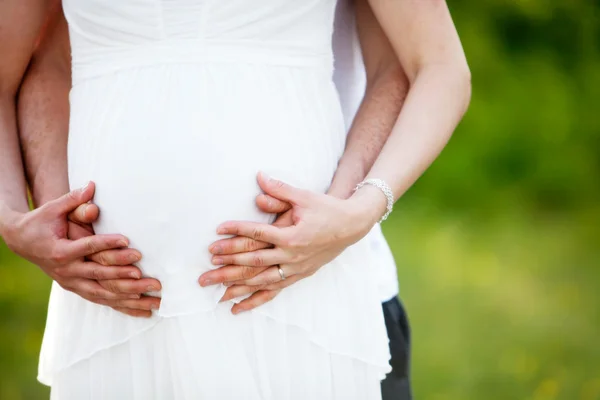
(96, 273)
(70, 197)
(247, 273)
(102, 258)
(111, 285)
(258, 233)
(121, 303)
(91, 246)
(258, 260)
(249, 244)
(58, 256)
(296, 258)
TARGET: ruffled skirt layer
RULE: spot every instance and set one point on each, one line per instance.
(248, 356)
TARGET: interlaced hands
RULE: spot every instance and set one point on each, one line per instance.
(309, 232)
(58, 237)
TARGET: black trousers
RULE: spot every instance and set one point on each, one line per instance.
(396, 385)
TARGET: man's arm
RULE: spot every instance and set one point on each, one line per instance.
(43, 123)
(20, 24)
(43, 113)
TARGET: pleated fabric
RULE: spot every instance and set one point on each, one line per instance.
(175, 106)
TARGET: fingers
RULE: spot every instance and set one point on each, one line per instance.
(281, 191)
(257, 299)
(237, 244)
(134, 313)
(92, 291)
(145, 303)
(70, 201)
(270, 204)
(131, 286)
(258, 258)
(229, 273)
(84, 214)
(93, 244)
(116, 257)
(254, 230)
(238, 291)
(282, 284)
(94, 271)
(267, 277)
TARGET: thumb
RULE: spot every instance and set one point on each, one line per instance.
(280, 190)
(85, 213)
(70, 201)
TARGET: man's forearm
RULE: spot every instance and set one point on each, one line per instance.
(13, 189)
(44, 114)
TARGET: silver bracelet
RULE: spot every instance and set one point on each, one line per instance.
(385, 188)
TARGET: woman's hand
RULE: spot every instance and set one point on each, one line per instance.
(315, 230)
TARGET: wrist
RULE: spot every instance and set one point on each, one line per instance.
(368, 205)
(8, 219)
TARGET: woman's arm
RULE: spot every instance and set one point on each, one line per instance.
(386, 89)
(424, 38)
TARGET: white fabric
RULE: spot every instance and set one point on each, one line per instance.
(243, 347)
(175, 106)
(350, 80)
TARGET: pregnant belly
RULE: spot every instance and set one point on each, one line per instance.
(173, 162)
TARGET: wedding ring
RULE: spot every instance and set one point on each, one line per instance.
(281, 274)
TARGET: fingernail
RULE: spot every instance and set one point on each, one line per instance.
(206, 282)
(82, 189)
(135, 275)
(122, 242)
(151, 288)
(217, 261)
(221, 230)
(134, 258)
(228, 284)
(217, 249)
(154, 306)
(134, 296)
(235, 311)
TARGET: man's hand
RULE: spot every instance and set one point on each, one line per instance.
(42, 237)
(313, 232)
(80, 221)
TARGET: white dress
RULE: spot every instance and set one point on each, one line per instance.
(175, 106)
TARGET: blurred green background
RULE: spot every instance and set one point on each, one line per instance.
(498, 245)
